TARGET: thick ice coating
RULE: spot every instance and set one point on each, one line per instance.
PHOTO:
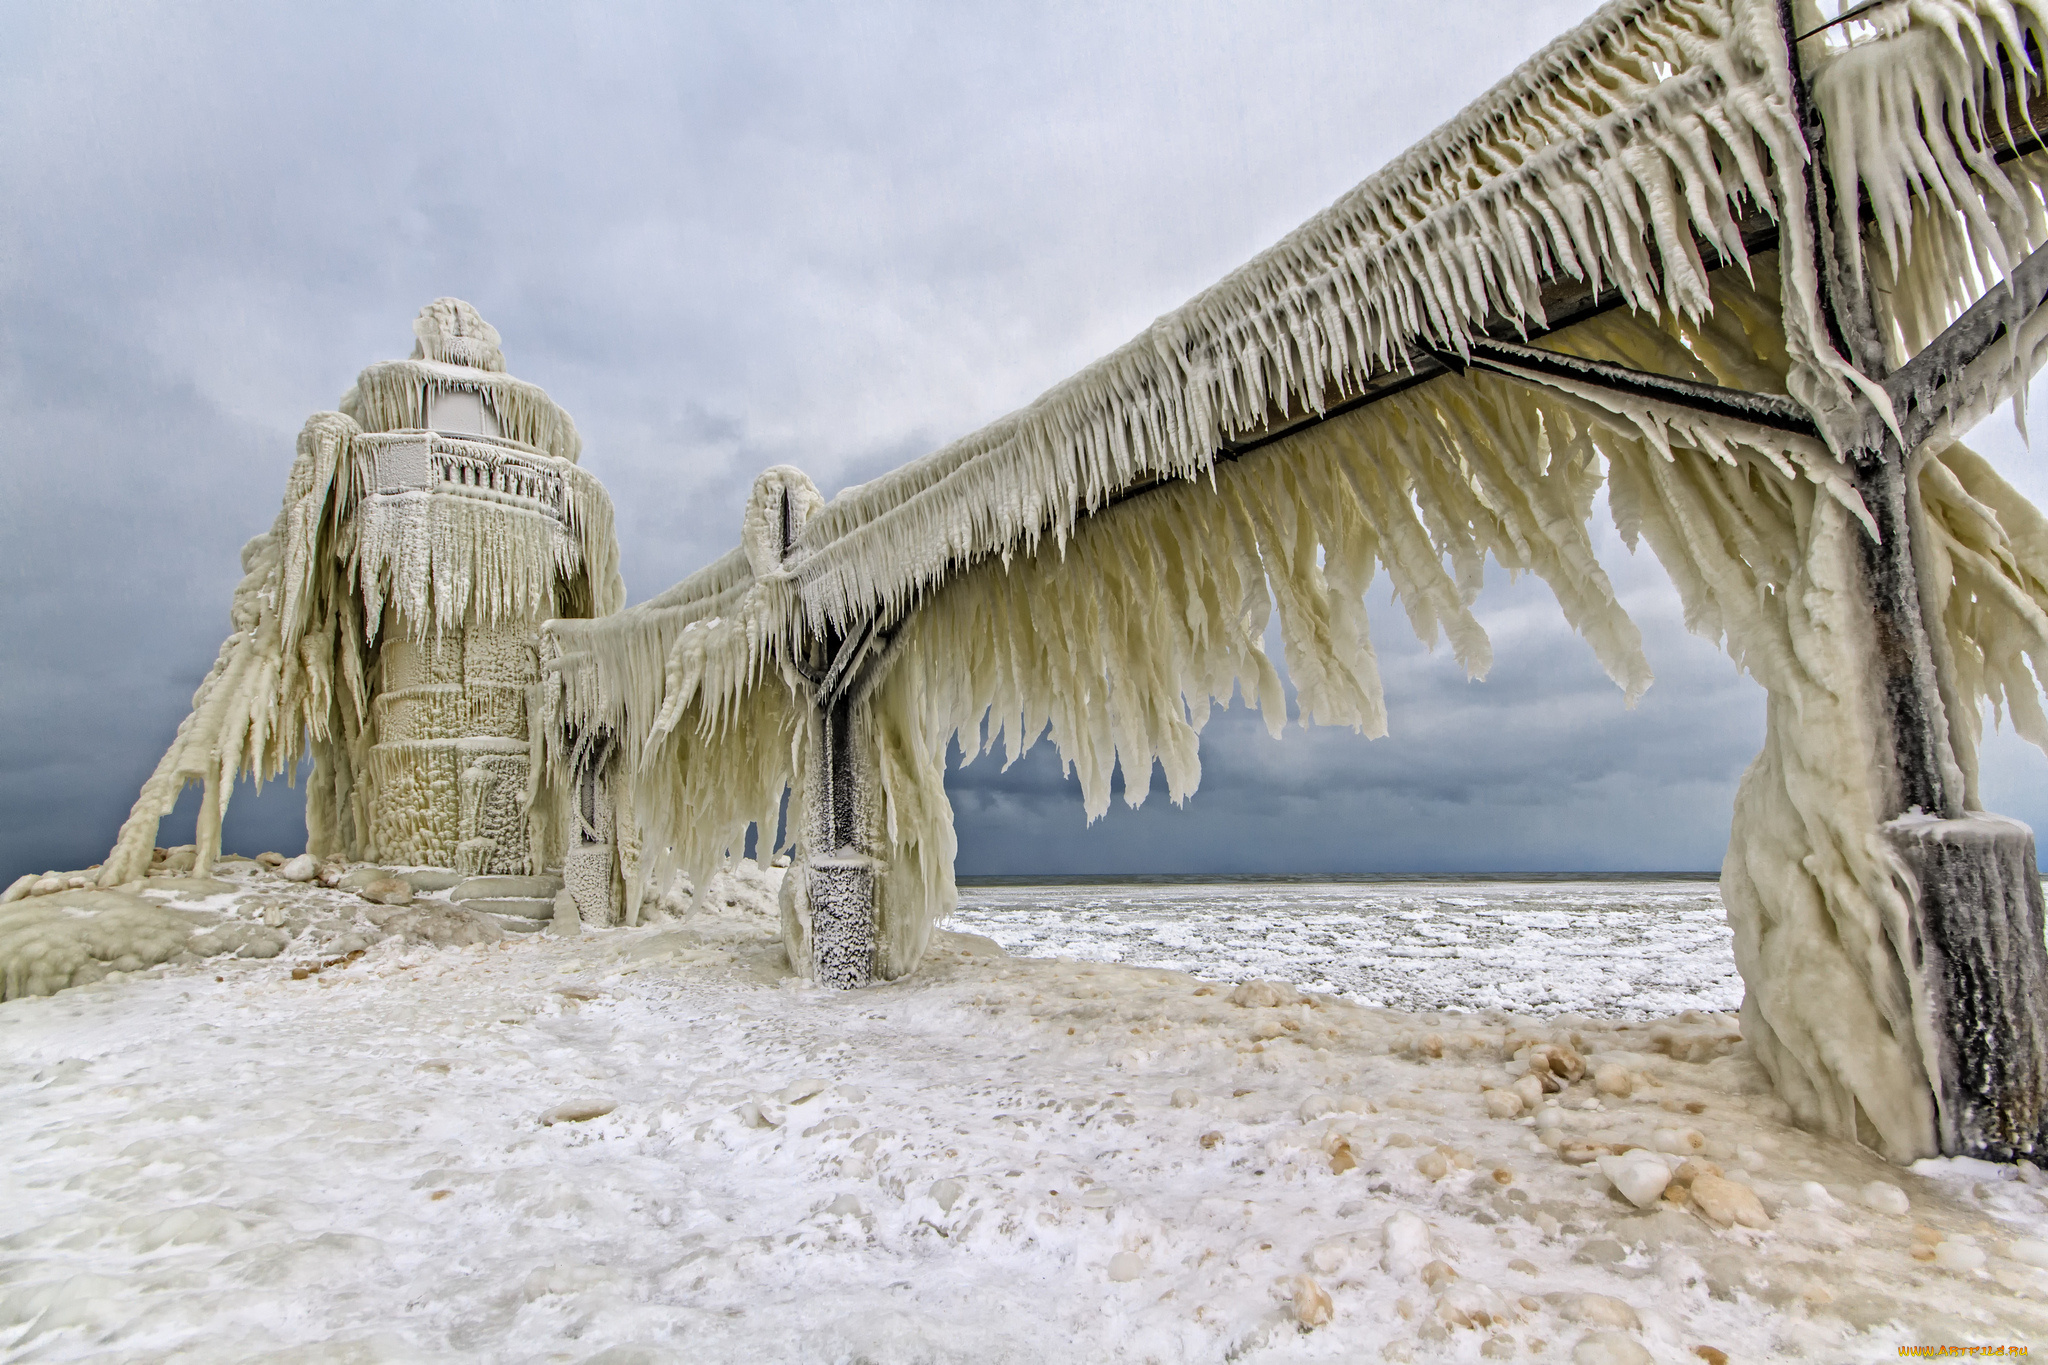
(385, 621)
(1101, 565)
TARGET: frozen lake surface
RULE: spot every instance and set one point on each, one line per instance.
(1610, 947)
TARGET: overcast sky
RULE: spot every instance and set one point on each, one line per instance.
(727, 237)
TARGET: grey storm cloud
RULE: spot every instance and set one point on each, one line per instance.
(726, 237)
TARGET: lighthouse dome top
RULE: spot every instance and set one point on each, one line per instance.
(452, 331)
(455, 382)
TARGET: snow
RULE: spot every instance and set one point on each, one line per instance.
(1624, 949)
(1000, 1158)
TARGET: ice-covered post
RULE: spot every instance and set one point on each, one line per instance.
(590, 856)
(1976, 937)
(829, 914)
(839, 876)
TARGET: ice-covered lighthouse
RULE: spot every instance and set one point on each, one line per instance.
(387, 623)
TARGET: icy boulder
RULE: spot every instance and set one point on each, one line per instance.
(744, 896)
(444, 926)
(76, 937)
(240, 938)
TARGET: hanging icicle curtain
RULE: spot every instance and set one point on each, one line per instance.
(1020, 587)
(395, 395)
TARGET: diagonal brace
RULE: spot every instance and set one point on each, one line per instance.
(1923, 390)
(848, 654)
(1528, 363)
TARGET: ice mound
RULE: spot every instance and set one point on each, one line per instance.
(52, 939)
(73, 938)
(444, 926)
(240, 939)
(744, 897)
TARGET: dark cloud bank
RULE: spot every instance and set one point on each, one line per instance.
(725, 238)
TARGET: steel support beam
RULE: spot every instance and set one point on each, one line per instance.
(1921, 389)
(839, 875)
(1774, 411)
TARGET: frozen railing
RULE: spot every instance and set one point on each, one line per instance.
(491, 468)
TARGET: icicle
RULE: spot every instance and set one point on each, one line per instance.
(1580, 162)
(269, 688)
(294, 672)
(395, 395)
(1030, 598)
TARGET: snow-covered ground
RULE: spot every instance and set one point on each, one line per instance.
(1001, 1159)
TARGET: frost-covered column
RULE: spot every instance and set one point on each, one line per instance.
(449, 720)
(591, 855)
(1974, 949)
(839, 874)
(1970, 957)
(829, 896)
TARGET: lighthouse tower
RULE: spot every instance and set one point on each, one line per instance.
(465, 542)
(388, 622)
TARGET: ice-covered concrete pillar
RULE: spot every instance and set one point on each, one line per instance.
(1971, 954)
(1985, 976)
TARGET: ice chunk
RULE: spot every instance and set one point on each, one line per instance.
(1638, 1175)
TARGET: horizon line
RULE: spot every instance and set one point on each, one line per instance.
(1060, 878)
